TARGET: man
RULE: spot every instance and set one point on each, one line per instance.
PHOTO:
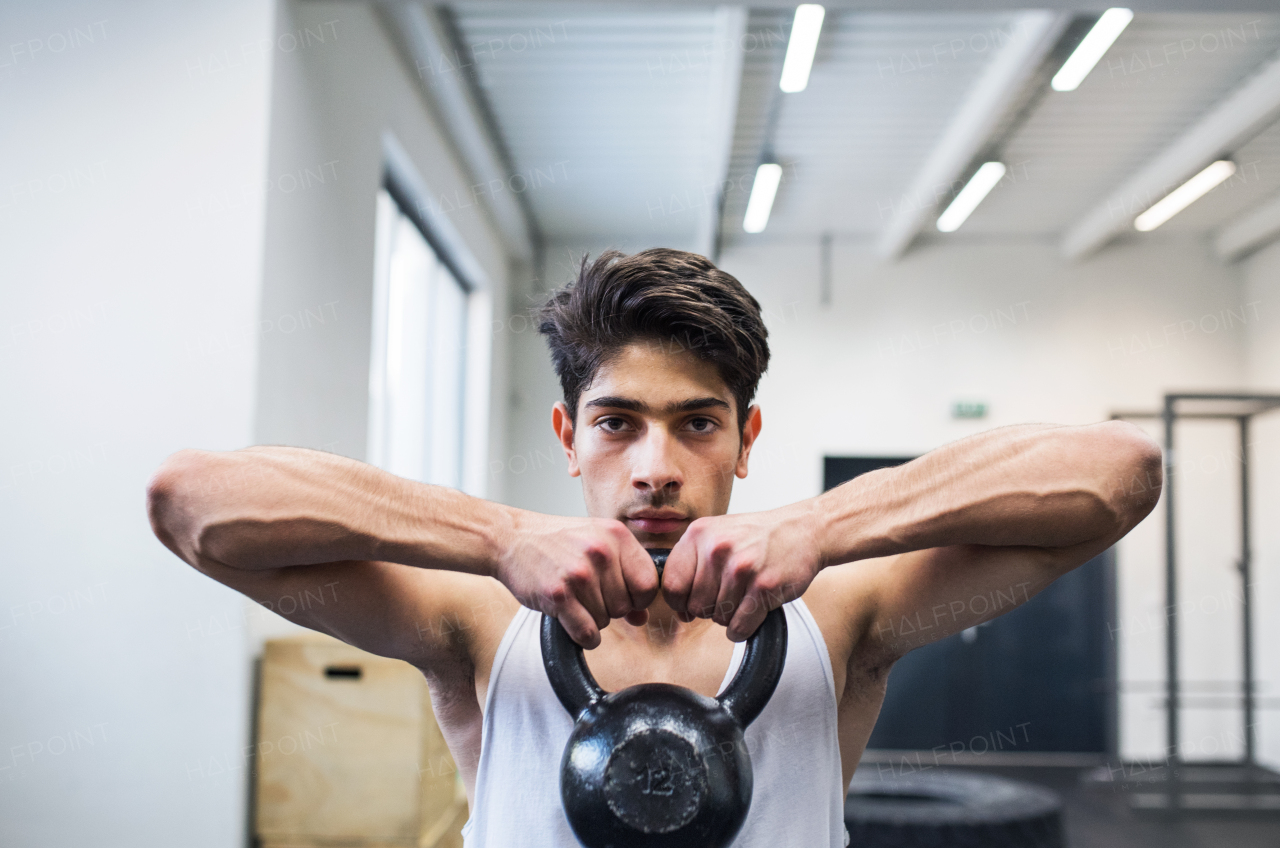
(659, 355)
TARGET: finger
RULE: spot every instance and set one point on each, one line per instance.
(639, 575)
(706, 583)
(614, 594)
(734, 583)
(677, 575)
(638, 618)
(588, 594)
(578, 624)
(747, 618)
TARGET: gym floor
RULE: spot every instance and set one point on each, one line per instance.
(1100, 817)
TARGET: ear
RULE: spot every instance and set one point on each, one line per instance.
(749, 433)
(562, 424)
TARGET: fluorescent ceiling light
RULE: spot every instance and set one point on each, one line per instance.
(970, 196)
(801, 47)
(1184, 195)
(760, 204)
(1091, 49)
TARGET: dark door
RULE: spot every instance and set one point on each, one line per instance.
(1038, 678)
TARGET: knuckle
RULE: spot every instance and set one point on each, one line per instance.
(638, 582)
(578, 576)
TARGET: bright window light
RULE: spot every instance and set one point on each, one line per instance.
(760, 204)
(1184, 195)
(801, 47)
(1091, 49)
(417, 362)
(979, 185)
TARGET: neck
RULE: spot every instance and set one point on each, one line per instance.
(663, 627)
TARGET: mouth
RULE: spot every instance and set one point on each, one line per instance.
(659, 522)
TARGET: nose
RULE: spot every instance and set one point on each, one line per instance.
(653, 466)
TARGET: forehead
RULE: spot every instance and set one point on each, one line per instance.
(654, 371)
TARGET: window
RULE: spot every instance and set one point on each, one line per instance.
(416, 374)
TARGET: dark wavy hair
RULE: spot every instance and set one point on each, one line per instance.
(671, 297)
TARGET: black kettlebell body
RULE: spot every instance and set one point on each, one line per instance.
(657, 764)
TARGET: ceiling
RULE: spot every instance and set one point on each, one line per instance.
(1078, 145)
(614, 100)
(620, 119)
(877, 100)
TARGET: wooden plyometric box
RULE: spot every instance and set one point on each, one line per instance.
(349, 753)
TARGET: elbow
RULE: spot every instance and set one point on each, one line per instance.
(1136, 473)
(171, 505)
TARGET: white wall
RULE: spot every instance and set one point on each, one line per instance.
(129, 293)
(1005, 322)
(332, 101)
(186, 232)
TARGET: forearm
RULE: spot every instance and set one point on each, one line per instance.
(274, 507)
(1031, 485)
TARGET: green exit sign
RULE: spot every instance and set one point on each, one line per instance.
(968, 409)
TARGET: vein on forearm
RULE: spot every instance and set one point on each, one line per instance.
(276, 507)
(1034, 485)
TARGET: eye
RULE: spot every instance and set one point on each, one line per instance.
(703, 425)
(613, 424)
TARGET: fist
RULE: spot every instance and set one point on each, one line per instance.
(583, 571)
(735, 569)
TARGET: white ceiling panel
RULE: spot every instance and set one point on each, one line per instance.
(1156, 80)
(883, 88)
(604, 112)
(614, 101)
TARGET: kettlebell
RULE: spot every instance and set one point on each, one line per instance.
(657, 764)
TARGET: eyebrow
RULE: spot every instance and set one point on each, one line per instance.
(689, 405)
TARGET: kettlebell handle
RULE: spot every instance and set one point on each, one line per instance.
(744, 697)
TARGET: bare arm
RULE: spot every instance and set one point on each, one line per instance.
(1030, 485)
(975, 528)
(398, 557)
(334, 537)
(265, 508)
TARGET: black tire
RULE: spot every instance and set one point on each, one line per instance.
(947, 809)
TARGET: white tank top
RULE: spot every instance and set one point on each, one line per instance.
(798, 795)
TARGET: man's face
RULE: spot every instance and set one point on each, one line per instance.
(656, 442)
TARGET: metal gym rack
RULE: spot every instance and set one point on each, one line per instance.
(1232, 786)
